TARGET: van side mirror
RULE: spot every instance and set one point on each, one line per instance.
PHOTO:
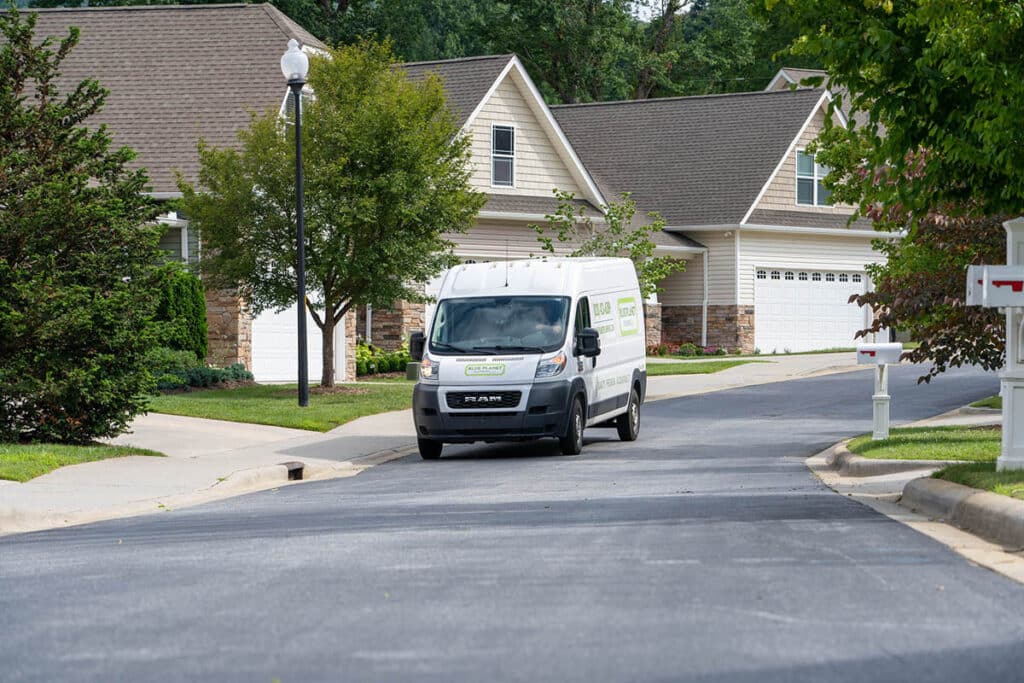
(588, 343)
(417, 342)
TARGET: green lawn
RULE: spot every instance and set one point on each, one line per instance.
(655, 369)
(21, 462)
(277, 404)
(990, 402)
(973, 444)
(983, 475)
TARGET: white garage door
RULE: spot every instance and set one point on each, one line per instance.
(798, 310)
(275, 347)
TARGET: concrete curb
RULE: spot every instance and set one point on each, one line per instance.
(989, 515)
(237, 483)
(848, 464)
(971, 410)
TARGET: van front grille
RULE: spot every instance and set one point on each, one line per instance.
(461, 400)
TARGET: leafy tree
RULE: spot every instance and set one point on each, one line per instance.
(571, 225)
(920, 289)
(77, 251)
(939, 90)
(386, 179)
(571, 48)
(945, 78)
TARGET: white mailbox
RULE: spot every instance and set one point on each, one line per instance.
(995, 286)
(879, 354)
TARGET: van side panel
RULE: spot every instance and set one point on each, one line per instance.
(618, 317)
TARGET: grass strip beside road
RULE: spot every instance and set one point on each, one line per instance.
(277, 405)
(21, 462)
(704, 368)
(969, 444)
(990, 402)
(983, 475)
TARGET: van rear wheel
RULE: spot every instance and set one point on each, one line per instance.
(628, 423)
(572, 442)
(429, 449)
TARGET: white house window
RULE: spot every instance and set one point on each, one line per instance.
(775, 275)
(843, 277)
(810, 191)
(762, 275)
(856, 277)
(802, 276)
(830, 277)
(816, 277)
(789, 275)
(503, 149)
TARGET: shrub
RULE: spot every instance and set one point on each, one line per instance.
(180, 316)
(720, 351)
(180, 369)
(709, 351)
(737, 352)
(688, 349)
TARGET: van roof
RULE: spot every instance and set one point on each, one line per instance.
(556, 275)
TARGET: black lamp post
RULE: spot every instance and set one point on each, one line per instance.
(295, 66)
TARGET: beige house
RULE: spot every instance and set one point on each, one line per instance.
(770, 263)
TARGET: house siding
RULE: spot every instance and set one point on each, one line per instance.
(809, 252)
(538, 167)
(781, 193)
(495, 240)
(687, 288)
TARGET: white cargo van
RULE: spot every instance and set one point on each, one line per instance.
(528, 349)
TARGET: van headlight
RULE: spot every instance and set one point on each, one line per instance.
(551, 366)
(429, 368)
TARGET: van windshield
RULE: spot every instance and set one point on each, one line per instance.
(500, 324)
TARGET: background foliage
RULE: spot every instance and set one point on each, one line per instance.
(180, 317)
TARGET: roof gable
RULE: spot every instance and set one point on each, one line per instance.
(696, 160)
(466, 81)
(177, 74)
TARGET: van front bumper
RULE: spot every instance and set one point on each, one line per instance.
(546, 414)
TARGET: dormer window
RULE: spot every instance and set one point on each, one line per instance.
(810, 190)
(503, 149)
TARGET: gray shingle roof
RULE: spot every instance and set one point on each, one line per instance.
(696, 160)
(806, 219)
(465, 80)
(177, 74)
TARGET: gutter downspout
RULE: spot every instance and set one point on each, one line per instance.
(704, 304)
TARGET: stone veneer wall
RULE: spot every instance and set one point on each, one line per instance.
(229, 329)
(652, 323)
(391, 327)
(349, 321)
(731, 327)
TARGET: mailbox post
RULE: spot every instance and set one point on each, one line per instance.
(880, 355)
(1003, 287)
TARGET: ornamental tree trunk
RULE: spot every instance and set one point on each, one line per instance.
(327, 374)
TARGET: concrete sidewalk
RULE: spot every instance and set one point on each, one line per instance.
(211, 459)
(206, 460)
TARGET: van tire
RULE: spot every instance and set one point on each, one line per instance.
(429, 449)
(572, 442)
(628, 423)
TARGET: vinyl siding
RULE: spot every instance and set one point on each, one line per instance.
(781, 194)
(538, 167)
(492, 240)
(687, 288)
(170, 241)
(807, 252)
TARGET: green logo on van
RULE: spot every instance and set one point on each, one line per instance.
(628, 317)
(485, 370)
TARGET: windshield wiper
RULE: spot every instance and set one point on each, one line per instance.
(449, 347)
(521, 349)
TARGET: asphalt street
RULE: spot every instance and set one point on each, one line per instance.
(704, 551)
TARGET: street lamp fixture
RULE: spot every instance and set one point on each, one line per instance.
(295, 66)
